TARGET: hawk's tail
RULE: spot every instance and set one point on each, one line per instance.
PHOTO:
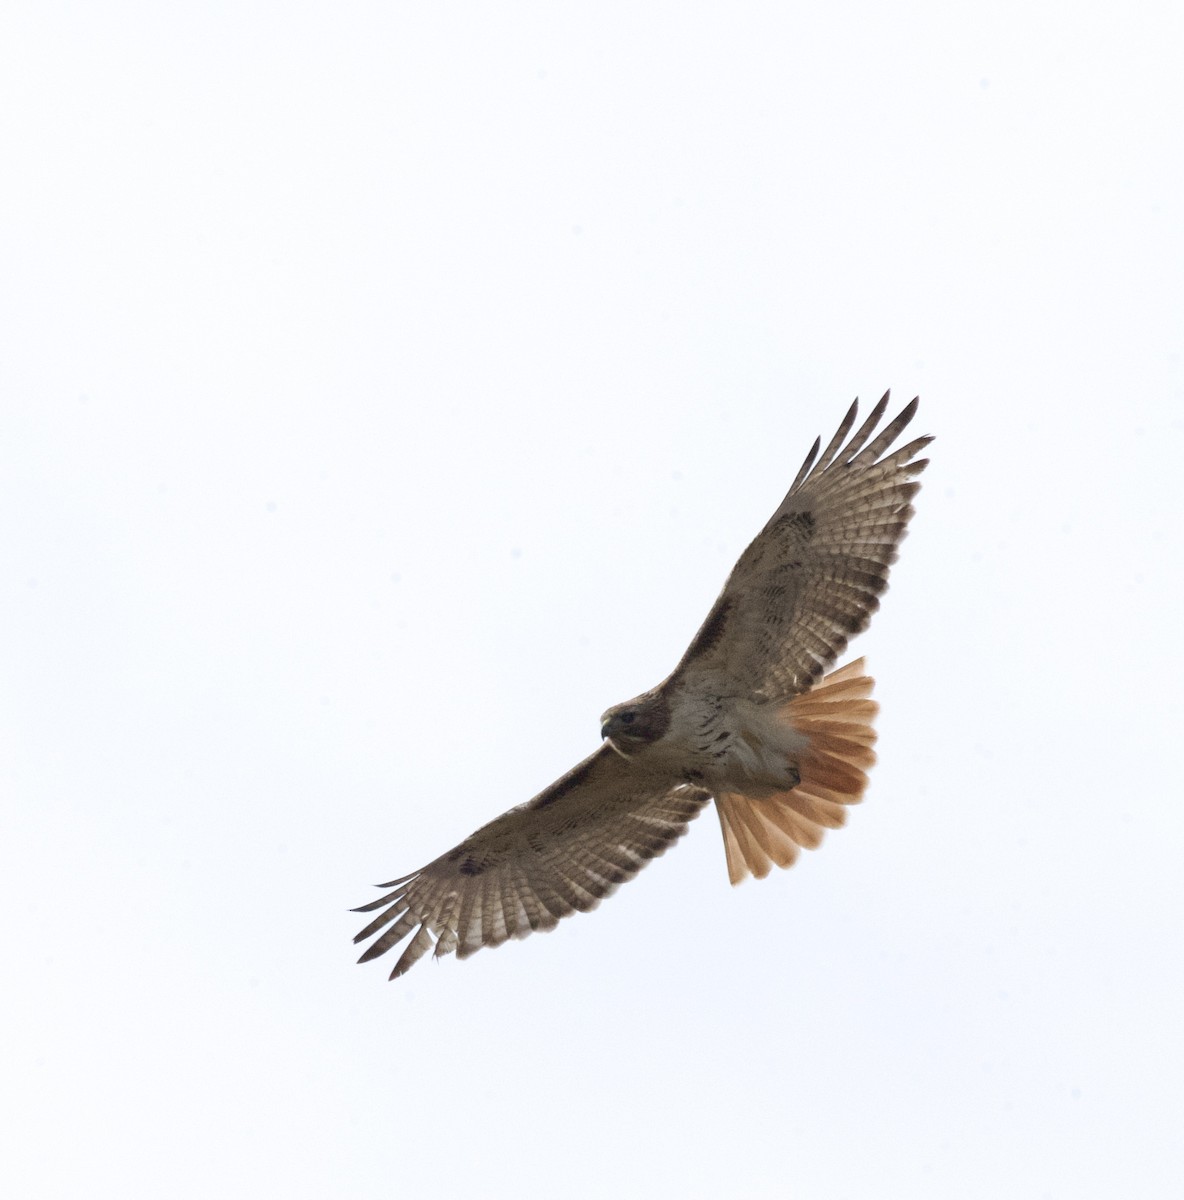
(836, 715)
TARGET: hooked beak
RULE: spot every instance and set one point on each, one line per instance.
(608, 726)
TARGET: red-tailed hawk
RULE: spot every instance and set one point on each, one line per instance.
(747, 718)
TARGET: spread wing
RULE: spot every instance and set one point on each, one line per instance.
(560, 853)
(813, 576)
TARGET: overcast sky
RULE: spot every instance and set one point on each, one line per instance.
(386, 389)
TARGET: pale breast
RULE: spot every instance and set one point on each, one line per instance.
(727, 742)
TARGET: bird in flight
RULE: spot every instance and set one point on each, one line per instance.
(747, 719)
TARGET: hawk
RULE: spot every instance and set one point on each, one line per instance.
(747, 719)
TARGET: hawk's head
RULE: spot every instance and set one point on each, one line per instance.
(637, 723)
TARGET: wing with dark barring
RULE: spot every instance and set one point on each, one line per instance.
(558, 854)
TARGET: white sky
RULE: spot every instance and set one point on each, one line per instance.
(386, 390)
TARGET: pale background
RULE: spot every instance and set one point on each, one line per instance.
(386, 390)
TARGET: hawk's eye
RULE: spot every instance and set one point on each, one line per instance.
(627, 718)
